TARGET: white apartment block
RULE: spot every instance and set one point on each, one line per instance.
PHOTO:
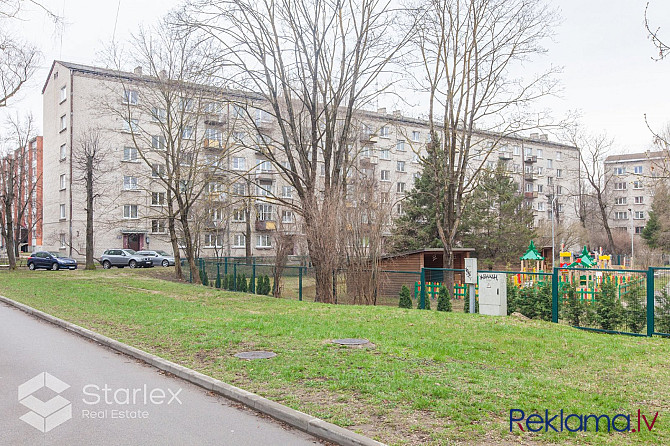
(631, 179)
(129, 212)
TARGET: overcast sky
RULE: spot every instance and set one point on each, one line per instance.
(608, 72)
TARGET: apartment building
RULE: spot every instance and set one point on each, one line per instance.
(632, 178)
(250, 199)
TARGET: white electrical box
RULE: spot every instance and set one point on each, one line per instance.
(470, 270)
(493, 294)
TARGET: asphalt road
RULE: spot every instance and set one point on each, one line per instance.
(113, 399)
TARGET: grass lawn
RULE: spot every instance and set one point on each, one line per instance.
(430, 378)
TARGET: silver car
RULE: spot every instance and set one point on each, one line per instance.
(125, 257)
(159, 257)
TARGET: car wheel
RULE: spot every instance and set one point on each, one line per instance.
(55, 267)
(107, 264)
(132, 264)
(166, 263)
(31, 266)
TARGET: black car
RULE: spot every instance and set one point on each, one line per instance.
(50, 260)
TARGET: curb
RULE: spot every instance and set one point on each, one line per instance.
(306, 423)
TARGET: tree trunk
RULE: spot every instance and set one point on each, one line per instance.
(9, 231)
(190, 257)
(179, 273)
(89, 213)
(603, 215)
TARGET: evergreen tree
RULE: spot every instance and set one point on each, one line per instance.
(203, 277)
(217, 284)
(224, 281)
(427, 305)
(405, 299)
(608, 307)
(496, 223)
(662, 312)
(243, 285)
(443, 300)
(656, 232)
(543, 303)
(259, 285)
(574, 307)
(231, 282)
(651, 230)
(636, 308)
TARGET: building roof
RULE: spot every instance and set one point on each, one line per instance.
(419, 251)
(640, 156)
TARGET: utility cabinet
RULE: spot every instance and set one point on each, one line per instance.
(492, 294)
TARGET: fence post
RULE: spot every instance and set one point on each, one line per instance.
(234, 276)
(554, 296)
(300, 283)
(252, 285)
(218, 273)
(422, 299)
(225, 265)
(650, 302)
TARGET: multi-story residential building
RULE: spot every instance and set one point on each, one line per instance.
(632, 178)
(127, 212)
(27, 179)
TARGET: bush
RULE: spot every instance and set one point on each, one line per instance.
(574, 307)
(203, 277)
(427, 305)
(608, 308)
(243, 285)
(543, 302)
(443, 300)
(217, 283)
(405, 299)
(231, 282)
(268, 287)
(636, 309)
(224, 282)
(527, 302)
(259, 285)
(662, 312)
(512, 297)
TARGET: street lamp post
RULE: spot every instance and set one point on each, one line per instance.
(632, 237)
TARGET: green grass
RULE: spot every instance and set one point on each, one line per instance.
(431, 378)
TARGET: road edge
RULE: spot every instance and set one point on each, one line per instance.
(302, 421)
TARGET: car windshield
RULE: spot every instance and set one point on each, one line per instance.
(130, 251)
(55, 254)
(164, 254)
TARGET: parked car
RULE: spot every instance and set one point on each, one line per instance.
(159, 257)
(125, 257)
(50, 260)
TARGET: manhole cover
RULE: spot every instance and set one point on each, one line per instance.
(255, 355)
(351, 341)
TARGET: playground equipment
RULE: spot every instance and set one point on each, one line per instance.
(532, 261)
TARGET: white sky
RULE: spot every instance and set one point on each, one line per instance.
(608, 72)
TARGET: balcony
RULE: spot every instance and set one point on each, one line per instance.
(367, 137)
(530, 159)
(530, 195)
(529, 176)
(264, 125)
(212, 144)
(504, 156)
(266, 225)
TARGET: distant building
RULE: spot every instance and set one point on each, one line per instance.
(28, 183)
(632, 179)
(387, 149)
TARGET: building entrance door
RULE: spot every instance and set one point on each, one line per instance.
(134, 241)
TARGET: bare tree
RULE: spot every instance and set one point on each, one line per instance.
(306, 66)
(89, 166)
(654, 35)
(467, 50)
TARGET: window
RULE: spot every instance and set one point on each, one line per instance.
(239, 241)
(264, 212)
(400, 166)
(621, 215)
(63, 93)
(238, 111)
(528, 151)
(213, 107)
(129, 183)
(639, 229)
(287, 192)
(619, 170)
(158, 114)
(528, 187)
(365, 152)
(384, 198)
(62, 211)
(386, 175)
(187, 132)
(186, 104)
(238, 136)
(416, 159)
(540, 188)
(213, 241)
(130, 97)
(385, 154)
(129, 211)
(398, 208)
(158, 142)
(560, 208)
(63, 152)
(263, 241)
(63, 241)
(158, 226)
(637, 184)
(559, 190)
(264, 166)
(239, 215)
(384, 132)
(639, 200)
(559, 173)
(130, 126)
(63, 122)
(559, 155)
(620, 200)
(213, 137)
(540, 206)
(637, 169)
(400, 188)
(158, 198)
(129, 154)
(517, 150)
(286, 217)
(416, 136)
(157, 170)
(639, 215)
(264, 188)
(62, 181)
(239, 163)
(620, 186)
(539, 153)
(400, 145)
(550, 164)
(540, 170)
